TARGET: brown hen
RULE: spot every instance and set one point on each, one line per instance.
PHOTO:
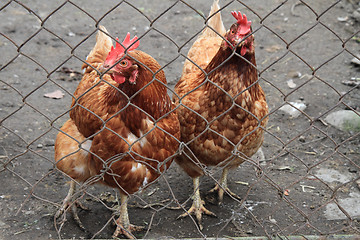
(123, 130)
(223, 111)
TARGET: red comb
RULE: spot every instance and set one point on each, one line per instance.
(114, 52)
(242, 21)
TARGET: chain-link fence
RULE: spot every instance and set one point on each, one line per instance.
(304, 182)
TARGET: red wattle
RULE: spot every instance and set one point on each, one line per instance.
(132, 78)
(243, 51)
(119, 78)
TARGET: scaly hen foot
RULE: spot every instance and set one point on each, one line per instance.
(221, 193)
(70, 205)
(197, 211)
(123, 226)
(224, 187)
(126, 231)
(197, 207)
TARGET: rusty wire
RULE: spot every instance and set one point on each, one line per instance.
(284, 149)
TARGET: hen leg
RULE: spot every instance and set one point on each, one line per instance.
(223, 186)
(123, 225)
(70, 204)
(197, 207)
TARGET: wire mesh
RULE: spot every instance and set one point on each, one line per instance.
(304, 182)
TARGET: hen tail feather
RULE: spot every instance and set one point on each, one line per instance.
(214, 22)
(100, 51)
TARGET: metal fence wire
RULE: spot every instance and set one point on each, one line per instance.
(303, 182)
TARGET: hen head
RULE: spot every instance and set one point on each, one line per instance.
(238, 34)
(120, 66)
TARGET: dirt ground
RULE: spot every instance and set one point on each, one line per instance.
(309, 179)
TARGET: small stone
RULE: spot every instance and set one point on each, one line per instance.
(40, 145)
(343, 19)
(345, 120)
(294, 74)
(358, 183)
(356, 60)
(49, 142)
(272, 220)
(259, 155)
(292, 111)
(353, 170)
(302, 139)
(351, 205)
(356, 15)
(291, 83)
(29, 212)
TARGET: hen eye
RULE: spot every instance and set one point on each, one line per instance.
(233, 31)
(123, 63)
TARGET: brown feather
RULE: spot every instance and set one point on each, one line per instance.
(235, 109)
(104, 102)
(131, 143)
(69, 158)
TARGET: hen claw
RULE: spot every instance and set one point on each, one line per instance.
(224, 187)
(70, 205)
(197, 211)
(127, 232)
(221, 191)
(123, 226)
